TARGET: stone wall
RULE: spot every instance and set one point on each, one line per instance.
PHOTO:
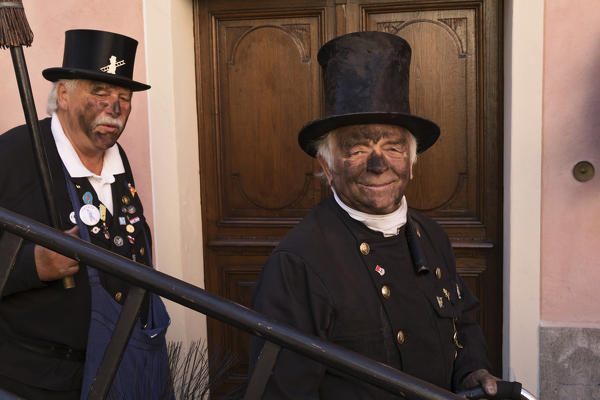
(569, 363)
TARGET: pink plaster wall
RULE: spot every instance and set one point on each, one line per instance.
(571, 132)
(49, 20)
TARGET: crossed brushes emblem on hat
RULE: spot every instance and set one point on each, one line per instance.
(112, 67)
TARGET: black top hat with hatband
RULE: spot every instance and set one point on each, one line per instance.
(98, 56)
(366, 82)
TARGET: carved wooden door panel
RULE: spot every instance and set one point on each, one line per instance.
(259, 82)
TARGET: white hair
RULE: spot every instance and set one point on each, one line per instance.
(324, 147)
(70, 84)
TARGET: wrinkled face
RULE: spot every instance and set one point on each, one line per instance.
(371, 166)
(97, 113)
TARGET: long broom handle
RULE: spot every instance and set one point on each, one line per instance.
(15, 31)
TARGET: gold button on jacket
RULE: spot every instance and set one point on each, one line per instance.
(385, 291)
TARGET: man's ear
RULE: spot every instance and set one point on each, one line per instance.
(325, 169)
(62, 96)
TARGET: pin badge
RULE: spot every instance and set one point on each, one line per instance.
(72, 217)
(106, 235)
(131, 209)
(102, 208)
(124, 210)
(89, 214)
(131, 189)
(118, 240)
(380, 270)
(78, 186)
(134, 220)
(87, 198)
(125, 200)
(130, 228)
(446, 293)
(142, 251)
(131, 239)
(122, 221)
(440, 301)
(95, 230)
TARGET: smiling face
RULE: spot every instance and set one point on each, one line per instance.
(370, 166)
(93, 114)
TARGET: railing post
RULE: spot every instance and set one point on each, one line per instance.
(10, 244)
(118, 342)
(262, 371)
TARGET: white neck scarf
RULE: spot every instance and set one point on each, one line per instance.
(388, 224)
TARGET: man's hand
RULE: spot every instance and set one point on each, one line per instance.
(482, 378)
(50, 265)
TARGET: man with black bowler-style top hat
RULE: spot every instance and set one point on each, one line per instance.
(363, 270)
(52, 339)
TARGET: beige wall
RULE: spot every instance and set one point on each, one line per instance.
(523, 70)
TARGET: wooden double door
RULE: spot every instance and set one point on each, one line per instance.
(259, 82)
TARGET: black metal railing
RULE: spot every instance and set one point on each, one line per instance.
(17, 228)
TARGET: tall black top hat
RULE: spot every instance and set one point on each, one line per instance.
(366, 81)
(98, 56)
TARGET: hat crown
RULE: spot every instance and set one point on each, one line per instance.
(99, 51)
(366, 72)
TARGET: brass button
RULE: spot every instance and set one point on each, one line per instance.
(455, 354)
(142, 251)
(385, 291)
(364, 248)
(400, 337)
(438, 273)
(118, 297)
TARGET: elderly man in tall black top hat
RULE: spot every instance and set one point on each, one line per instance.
(362, 269)
(52, 339)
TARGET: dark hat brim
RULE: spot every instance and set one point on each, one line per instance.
(425, 131)
(55, 74)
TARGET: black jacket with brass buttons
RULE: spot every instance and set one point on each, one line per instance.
(397, 300)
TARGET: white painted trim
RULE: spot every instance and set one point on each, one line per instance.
(174, 158)
(523, 78)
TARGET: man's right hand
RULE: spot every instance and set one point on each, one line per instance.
(51, 265)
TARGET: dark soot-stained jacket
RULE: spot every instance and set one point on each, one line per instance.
(334, 278)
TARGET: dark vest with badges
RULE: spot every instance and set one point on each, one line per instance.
(121, 232)
(373, 295)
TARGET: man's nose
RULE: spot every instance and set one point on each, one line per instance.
(113, 107)
(376, 163)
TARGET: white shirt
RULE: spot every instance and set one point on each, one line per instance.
(111, 166)
(387, 224)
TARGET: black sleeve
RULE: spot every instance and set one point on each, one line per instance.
(289, 292)
(473, 355)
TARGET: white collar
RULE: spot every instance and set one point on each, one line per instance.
(387, 224)
(112, 163)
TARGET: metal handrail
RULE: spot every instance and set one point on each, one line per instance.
(227, 311)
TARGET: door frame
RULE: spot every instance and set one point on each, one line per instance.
(173, 122)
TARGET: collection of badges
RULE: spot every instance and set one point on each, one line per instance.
(96, 218)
